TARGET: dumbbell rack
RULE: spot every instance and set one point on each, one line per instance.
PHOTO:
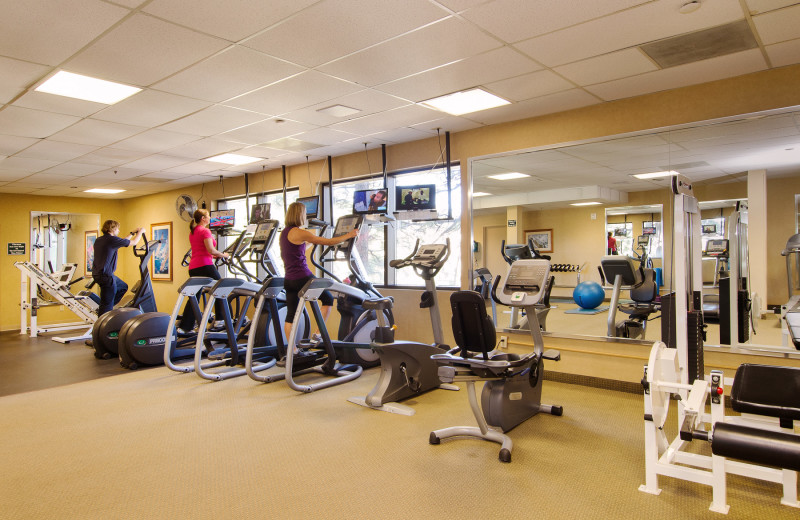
(568, 268)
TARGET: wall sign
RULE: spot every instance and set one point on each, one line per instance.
(16, 248)
(512, 223)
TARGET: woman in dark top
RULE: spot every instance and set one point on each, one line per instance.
(293, 241)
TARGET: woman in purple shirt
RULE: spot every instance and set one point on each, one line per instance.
(293, 241)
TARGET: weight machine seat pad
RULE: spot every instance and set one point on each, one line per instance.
(768, 390)
(639, 311)
(763, 447)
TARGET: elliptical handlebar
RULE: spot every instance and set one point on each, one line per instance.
(143, 249)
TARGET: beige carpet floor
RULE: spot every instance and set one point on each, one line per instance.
(157, 444)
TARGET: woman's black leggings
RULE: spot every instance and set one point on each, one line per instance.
(188, 319)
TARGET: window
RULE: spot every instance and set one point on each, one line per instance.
(241, 217)
(383, 242)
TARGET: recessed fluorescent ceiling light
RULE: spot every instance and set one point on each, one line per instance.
(465, 102)
(103, 190)
(654, 175)
(585, 203)
(508, 176)
(480, 194)
(339, 111)
(67, 84)
(234, 159)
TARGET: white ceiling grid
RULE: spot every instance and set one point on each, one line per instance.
(250, 77)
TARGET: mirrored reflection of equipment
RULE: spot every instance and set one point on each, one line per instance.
(106, 330)
(641, 283)
(483, 277)
(511, 253)
(407, 369)
(643, 245)
(790, 311)
(513, 389)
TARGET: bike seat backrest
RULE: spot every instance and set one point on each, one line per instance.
(546, 298)
(647, 291)
(473, 329)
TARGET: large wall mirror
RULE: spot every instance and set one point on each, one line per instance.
(571, 196)
(61, 240)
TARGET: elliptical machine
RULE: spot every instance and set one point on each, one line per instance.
(357, 323)
(513, 389)
(106, 330)
(407, 369)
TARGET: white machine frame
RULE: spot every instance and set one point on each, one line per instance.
(667, 374)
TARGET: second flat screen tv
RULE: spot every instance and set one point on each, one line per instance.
(311, 204)
(411, 198)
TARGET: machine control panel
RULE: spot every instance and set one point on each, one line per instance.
(429, 255)
(525, 282)
(717, 247)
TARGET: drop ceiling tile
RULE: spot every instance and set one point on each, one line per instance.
(10, 144)
(785, 53)
(204, 148)
(233, 72)
(105, 157)
(294, 93)
(400, 135)
(762, 6)
(462, 5)
(26, 164)
(213, 120)
(608, 67)
(367, 101)
(154, 141)
(447, 123)
(265, 131)
(68, 26)
(143, 50)
(377, 20)
(58, 104)
(150, 108)
(649, 22)
(13, 188)
(681, 76)
(112, 175)
(232, 20)
(778, 26)
(76, 169)
(404, 116)
(26, 122)
(515, 20)
(434, 45)
(193, 168)
(325, 136)
(550, 104)
(56, 151)
(529, 86)
(155, 163)
(16, 76)
(96, 133)
(49, 178)
(495, 65)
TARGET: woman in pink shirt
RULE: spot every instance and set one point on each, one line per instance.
(204, 251)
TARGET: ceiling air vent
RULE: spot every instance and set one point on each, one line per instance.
(701, 45)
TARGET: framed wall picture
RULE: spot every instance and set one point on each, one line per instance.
(161, 261)
(542, 239)
(88, 257)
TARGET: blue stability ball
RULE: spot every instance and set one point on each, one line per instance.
(588, 295)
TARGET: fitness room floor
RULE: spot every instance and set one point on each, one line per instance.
(85, 439)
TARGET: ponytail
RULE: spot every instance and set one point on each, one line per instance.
(196, 218)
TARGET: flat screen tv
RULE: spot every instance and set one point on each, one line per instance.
(411, 198)
(371, 201)
(648, 230)
(709, 229)
(311, 204)
(259, 212)
(221, 219)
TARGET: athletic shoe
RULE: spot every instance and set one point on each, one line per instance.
(218, 324)
(281, 362)
(316, 338)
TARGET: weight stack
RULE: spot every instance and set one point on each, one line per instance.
(668, 320)
(694, 326)
(725, 313)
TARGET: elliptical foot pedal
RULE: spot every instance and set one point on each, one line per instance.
(552, 355)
